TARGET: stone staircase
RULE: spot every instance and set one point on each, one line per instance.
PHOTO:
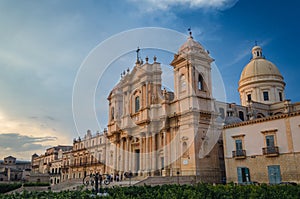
(33, 188)
(67, 185)
(74, 184)
(160, 180)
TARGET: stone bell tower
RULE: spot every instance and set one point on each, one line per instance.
(194, 105)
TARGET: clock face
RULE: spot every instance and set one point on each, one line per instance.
(185, 162)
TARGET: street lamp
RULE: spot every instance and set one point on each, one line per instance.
(178, 177)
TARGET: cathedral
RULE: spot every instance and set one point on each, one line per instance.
(155, 132)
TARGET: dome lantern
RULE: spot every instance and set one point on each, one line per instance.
(256, 52)
(261, 81)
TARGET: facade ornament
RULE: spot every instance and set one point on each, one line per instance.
(154, 58)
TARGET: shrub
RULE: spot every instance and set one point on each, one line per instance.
(5, 187)
(38, 184)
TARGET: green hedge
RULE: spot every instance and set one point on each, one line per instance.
(6, 187)
(175, 191)
(38, 184)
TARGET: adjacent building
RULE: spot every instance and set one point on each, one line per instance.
(266, 148)
(13, 170)
(48, 165)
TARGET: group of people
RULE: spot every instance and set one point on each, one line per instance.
(108, 178)
(116, 177)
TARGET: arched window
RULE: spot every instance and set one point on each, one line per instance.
(182, 83)
(200, 83)
(112, 113)
(260, 115)
(137, 103)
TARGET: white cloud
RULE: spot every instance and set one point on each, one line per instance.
(246, 52)
(152, 5)
(23, 146)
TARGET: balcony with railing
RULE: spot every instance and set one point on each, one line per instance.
(270, 151)
(85, 164)
(239, 154)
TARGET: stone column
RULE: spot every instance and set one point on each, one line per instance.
(146, 93)
(118, 156)
(153, 153)
(115, 156)
(146, 167)
(141, 153)
(126, 148)
(169, 149)
(165, 152)
(121, 154)
(129, 160)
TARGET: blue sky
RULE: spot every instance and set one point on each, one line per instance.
(43, 44)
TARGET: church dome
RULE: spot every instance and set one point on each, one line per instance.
(260, 80)
(232, 120)
(259, 66)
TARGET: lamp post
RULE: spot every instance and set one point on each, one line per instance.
(93, 180)
(178, 177)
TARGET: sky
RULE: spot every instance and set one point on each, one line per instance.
(43, 45)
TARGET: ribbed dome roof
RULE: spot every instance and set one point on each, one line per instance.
(232, 120)
(259, 66)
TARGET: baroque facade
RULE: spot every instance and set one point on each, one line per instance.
(155, 132)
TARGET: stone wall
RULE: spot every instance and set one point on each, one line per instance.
(258, 166)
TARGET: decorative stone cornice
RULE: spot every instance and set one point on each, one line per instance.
(269, 131)
(260, 120)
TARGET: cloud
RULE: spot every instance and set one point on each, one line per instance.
(152, 5)
(23, 142)
(246, 52)
(23, 146)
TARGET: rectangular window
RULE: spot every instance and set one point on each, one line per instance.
(249, 97)
(238, 145)
(266, 95)
(280, 96)
(241, 115)
(243, 174)
(274, 174)
(270, 141)
(137, 104)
